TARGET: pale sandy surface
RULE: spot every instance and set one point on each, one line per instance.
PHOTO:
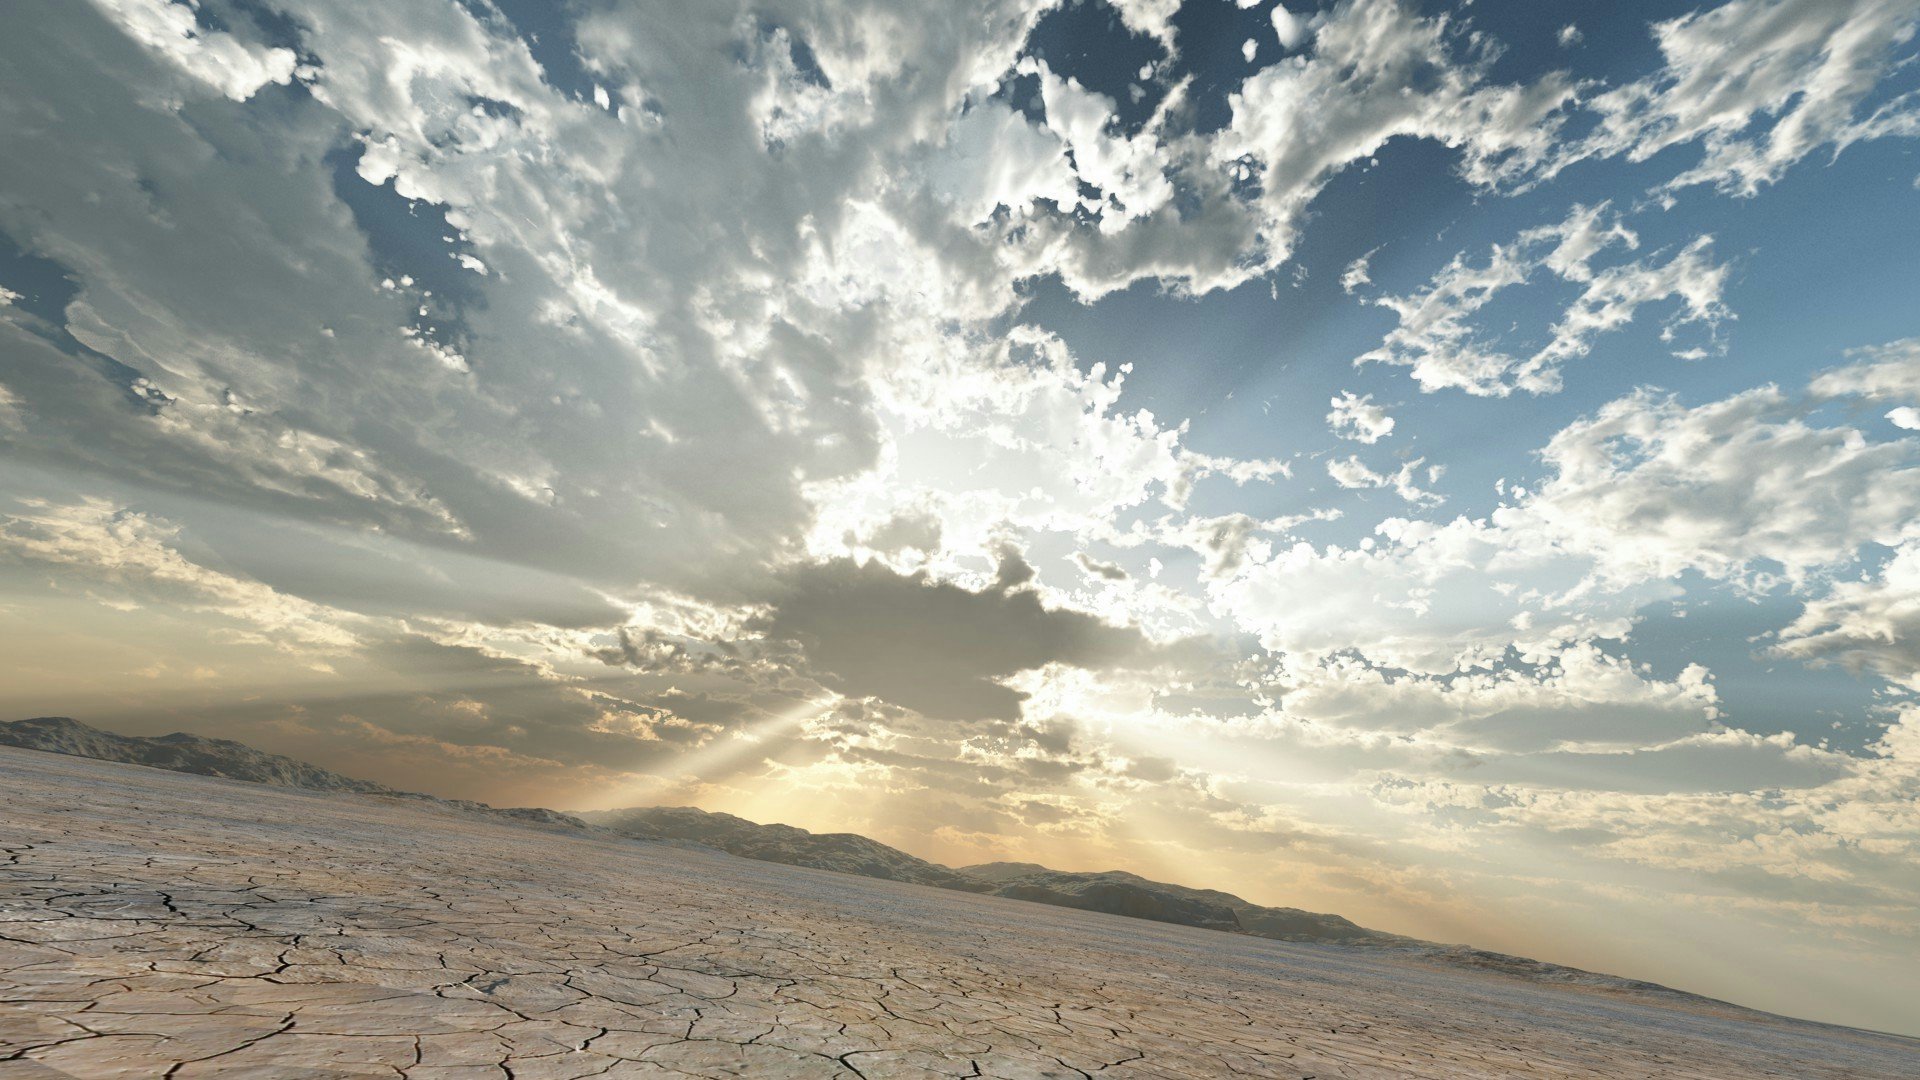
(153, 925)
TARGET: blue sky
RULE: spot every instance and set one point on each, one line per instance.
(1450, 466)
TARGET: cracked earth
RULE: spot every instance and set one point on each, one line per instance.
(159, 925)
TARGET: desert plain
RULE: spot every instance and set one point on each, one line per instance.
(154, 924)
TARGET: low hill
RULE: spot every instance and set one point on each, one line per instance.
(224, 758)
(846, 853)
(1122, 893)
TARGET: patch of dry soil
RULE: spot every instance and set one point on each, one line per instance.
(162, 925)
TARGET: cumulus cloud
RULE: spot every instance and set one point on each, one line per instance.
(1638, 493)
(1869, 624)
(1358, 418)
(1378, 71)
(1888, 375)
(994, 158)
(1291, 29)
(1649, 488)
(222, 61)
(1580, 697)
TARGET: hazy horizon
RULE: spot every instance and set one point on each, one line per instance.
(1452, 467)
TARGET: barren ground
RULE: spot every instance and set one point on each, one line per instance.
(154, 924)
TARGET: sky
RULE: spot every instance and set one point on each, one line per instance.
(1456, 467)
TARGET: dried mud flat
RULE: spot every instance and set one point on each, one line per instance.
(158, 925)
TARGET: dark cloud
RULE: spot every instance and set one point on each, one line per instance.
(937, 648)
(1097, 568)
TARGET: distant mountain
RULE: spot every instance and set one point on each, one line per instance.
(846, 853)
(1120, 893)
(1114, 892)
(181, 752)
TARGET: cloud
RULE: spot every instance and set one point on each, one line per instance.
(1378, 71)
(1808, 67)
(1889, 375)
(134, 555)
(1350, 472)
(1640, 492)
(1649, 488)
(1579, 698)
(1098, 568)
(1359, 419)
(1358, 272)
(1440, 342)
(1291, 29)
(1871, 624)
(1366, 72)
(235, 68)
(995, 158)
(932, 647)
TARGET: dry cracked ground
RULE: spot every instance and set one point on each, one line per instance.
(159, 925)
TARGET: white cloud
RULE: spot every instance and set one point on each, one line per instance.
(1872, 624)
(1808, 66)
(1578, 697)
(135, 556)
(1440, 342)
(1357, 273)
(1377, 71)
(12, 413)
(1359, 419)
(1350, 472)
(1646, 489)
(1373, 71)
(994, 157)
(1291, 29)
(1151, 17)
(235, 68)
(1649, 488)
(1889, 374)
